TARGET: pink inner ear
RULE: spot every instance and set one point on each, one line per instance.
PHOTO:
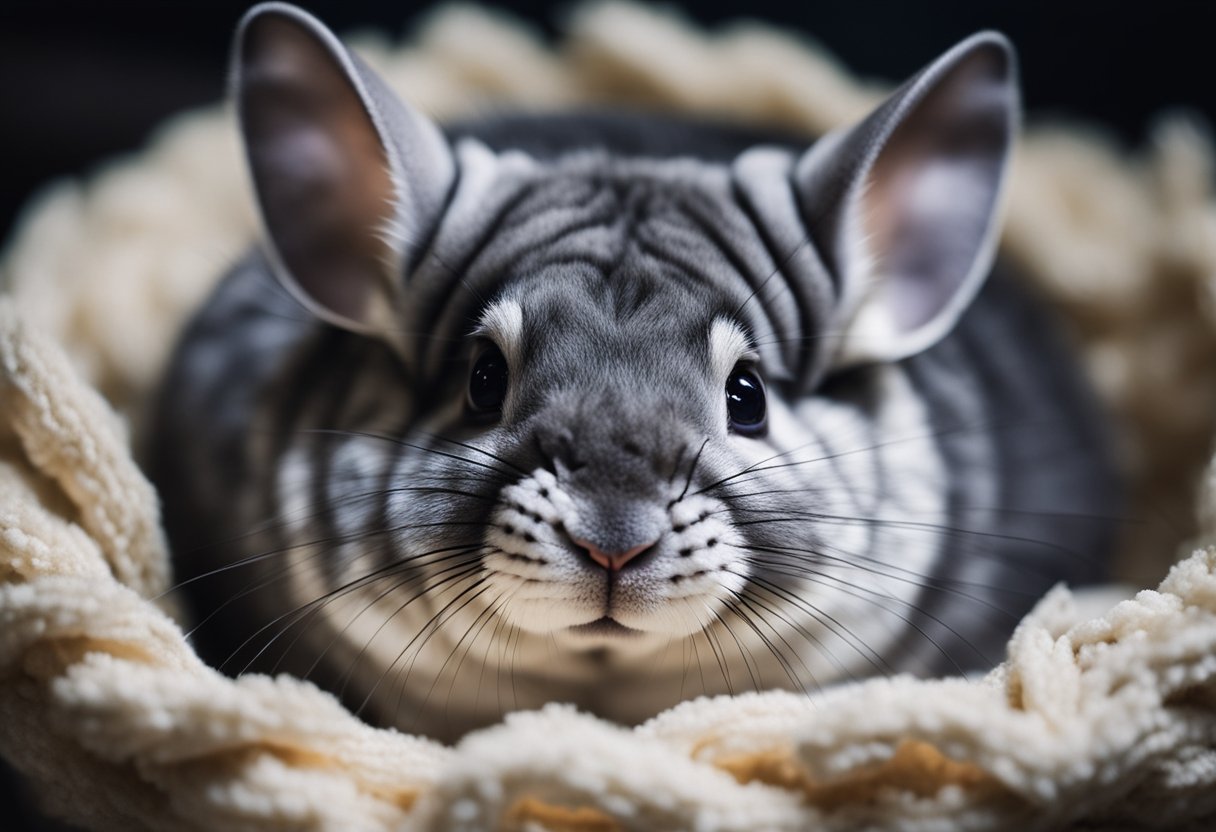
(906, 216)
(320, 168)
(885, 198)
(930, 193)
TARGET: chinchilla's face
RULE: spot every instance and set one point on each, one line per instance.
(594, 407)
(618, 434)
(618, 385)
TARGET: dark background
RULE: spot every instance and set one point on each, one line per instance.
(82, 80)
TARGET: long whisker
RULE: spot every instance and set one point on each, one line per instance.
(760, 466)
(310, 608)
(464, 568)
(744, 654)
(952, 532)
(830, 623)
(692, 470)
(873, 597)
(405, 444)
(719, 655)
(468, 445)
(430, 629)
(733, 606)
(460, 553)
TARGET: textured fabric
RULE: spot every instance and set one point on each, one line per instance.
(1103, 713)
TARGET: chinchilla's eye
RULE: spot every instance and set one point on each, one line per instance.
(745, 401)
(488, 381)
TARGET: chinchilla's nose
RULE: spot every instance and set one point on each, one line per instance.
(614, 459)
(612, 561)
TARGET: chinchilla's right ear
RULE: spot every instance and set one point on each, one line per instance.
(349, 180)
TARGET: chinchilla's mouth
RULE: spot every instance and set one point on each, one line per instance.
(606, 626)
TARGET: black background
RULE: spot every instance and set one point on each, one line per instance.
(82, 80)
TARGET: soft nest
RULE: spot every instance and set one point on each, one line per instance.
(1104, 713)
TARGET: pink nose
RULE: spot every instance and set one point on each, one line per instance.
(612, 561)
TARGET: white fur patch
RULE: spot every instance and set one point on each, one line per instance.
(503, 323)
(728, 345)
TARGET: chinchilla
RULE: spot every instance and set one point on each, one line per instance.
(619, 409)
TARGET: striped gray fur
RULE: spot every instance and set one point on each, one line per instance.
(344, 516)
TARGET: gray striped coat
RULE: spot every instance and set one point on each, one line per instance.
(618, 410)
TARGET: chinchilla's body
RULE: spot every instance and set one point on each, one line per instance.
(618, 410)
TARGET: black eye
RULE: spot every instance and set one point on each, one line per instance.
(488, 381)
(745, 402)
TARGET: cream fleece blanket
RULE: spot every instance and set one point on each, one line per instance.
(1103, 714)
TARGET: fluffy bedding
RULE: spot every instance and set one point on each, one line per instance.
(1102, 715)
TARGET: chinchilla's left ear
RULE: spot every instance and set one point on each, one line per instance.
(902, 207)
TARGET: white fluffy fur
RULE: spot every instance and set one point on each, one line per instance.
(503, 323)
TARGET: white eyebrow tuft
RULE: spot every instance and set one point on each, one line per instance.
(728, 345)
(503, 323)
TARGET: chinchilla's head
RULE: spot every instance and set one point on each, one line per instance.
(619, 435)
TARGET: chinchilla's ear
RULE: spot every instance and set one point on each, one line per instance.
(350, 181)
(902, 207)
